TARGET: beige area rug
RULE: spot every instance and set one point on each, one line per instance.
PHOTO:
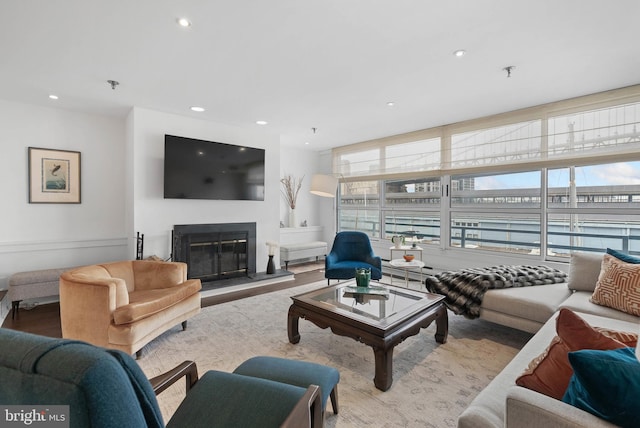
(432, 384)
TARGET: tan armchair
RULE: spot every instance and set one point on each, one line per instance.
(124, 305)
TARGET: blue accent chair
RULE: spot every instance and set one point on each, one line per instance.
(351, 250)
(105, 388)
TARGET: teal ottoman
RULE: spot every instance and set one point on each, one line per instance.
(293, 372)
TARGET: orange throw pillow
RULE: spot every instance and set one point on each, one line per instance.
(618, 286)
(549, 373)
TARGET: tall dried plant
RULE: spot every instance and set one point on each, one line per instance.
(291, 187)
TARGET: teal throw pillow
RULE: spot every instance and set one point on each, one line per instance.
(606, 384)
(627, 258)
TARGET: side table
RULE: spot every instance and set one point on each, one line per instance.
(406, 266)
(407, 249)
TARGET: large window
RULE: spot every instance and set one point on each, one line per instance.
(360, 207)
(541, 183)
(594, 207)
(412, 208)
(600, 131)
(497, 212)
(507, 144)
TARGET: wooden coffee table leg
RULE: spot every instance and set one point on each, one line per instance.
(442, 325)
(384, 368)
(292, 326)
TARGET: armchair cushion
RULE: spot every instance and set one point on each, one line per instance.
(222, 399)
(148, 302)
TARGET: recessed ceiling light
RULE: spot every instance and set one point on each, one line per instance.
(184, 22)
(460, 53)
(391, 104)
(261, 122)
(306, 143)
(197, 109)
(53, 97)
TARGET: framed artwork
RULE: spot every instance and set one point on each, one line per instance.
(54, 176)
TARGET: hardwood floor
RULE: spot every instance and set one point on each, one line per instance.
(45, 319)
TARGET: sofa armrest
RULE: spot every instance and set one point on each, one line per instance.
(87, 305)
(529, 409)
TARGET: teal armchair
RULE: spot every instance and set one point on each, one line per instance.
(107, 389)
(351, 250)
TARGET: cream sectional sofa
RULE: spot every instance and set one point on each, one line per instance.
(533, 309)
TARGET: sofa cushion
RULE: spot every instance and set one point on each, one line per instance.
(148, 302)
(550, 372)
(580, 301)
(536, 303)
(584, 270)
(606, 384)
(618, 286)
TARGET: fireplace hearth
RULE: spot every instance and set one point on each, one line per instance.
(216, 251)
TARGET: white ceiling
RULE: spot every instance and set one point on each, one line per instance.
(326, 64)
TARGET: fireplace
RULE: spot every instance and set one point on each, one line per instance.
(216, 251)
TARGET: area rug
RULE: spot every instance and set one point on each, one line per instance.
(432, 383)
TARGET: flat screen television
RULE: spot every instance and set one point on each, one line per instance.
(199, 169)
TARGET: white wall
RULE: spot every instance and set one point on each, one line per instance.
(40, 236)
(155, 216)
(300, 163)
(122, 167)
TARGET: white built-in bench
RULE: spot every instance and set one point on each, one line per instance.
(33, 285)
(303, 250)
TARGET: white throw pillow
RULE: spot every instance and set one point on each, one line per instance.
(584, 271)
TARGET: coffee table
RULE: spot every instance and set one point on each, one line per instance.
(381, 322)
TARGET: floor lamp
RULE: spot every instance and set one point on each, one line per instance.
(325, 186)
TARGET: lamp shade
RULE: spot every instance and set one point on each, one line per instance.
(324, 185)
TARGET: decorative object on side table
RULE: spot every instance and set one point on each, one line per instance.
(408, 257)
(290, 192)
(271, 267)
(397, 240)
(54, 176)
(363, 277)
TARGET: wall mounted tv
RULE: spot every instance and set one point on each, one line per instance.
(199, 169)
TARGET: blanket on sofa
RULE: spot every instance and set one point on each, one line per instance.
(465, 289)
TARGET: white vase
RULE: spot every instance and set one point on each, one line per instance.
(292, 218)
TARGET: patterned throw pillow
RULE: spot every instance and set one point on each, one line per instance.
(618, 286)
(549, 373)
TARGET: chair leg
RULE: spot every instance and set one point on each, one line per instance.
(334, 399)
(184, 325)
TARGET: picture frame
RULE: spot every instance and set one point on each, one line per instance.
(54, 176)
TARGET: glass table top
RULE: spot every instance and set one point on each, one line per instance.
(378, 308)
